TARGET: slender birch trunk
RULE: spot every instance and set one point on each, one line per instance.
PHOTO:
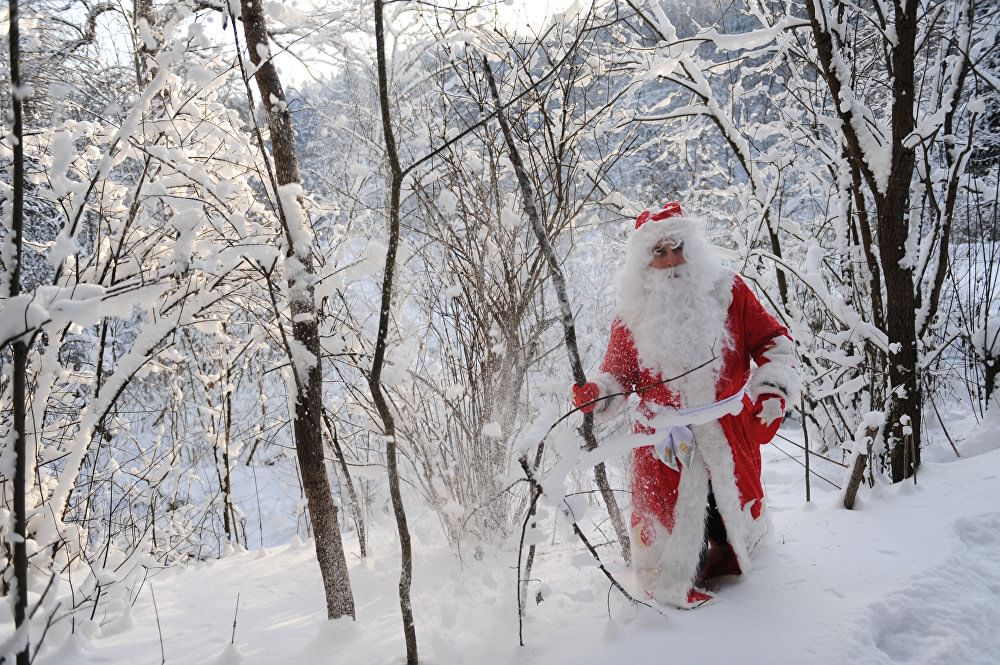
(308, 372)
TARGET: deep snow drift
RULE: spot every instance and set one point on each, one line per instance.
(911, 576)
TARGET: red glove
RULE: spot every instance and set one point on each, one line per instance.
(588, 392)
(766, 417)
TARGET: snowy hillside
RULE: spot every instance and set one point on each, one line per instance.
(910, 577)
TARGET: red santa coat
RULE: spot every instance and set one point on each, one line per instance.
(669, 506)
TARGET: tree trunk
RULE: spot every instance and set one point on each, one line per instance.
(305, 327)
(19, 397)
(892, 204)
(143, 13)
(893, 230)
(992, 374)
(20, 378)
(378, 357)
(857, 476)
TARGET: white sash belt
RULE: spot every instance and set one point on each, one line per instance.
(678, 446)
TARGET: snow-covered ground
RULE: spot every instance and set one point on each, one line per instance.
(911, 576)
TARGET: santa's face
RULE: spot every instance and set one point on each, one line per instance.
(667, 254)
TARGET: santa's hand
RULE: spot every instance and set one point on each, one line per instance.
(767, 415)
(769, 408)
(585, 396)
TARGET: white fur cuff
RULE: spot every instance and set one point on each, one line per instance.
(607, 384)
(777, 379)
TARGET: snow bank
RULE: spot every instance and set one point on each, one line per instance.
(911, 577)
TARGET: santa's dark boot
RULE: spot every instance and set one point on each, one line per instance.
(720, 562)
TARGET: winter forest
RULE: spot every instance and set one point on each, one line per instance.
(293, 294)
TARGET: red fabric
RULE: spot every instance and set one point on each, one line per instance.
(588, 392)
(654, 484)
(696, 597)
(669, 209)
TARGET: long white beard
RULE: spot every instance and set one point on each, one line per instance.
(677, 317)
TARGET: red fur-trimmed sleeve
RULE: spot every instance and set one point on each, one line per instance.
(771, 348)
(621, 360)
(619, 369)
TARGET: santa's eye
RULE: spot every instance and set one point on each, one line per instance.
(660, 250)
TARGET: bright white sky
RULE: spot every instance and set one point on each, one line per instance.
(532, 12)
(527, 16)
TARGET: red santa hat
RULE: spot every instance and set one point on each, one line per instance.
(669, 210)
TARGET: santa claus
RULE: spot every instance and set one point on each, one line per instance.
(697, 499)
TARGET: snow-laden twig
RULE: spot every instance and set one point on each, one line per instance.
(236, 613)
(159, 629)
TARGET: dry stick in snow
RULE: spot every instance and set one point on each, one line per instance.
(159, 630)
(236, 614)
(805, 435)
(569, 325)
(943, 428)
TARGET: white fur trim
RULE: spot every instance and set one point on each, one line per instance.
(607, 384)
(782, 350)
(651, 232)
(775, 378)
(718, 456)
(757, 528)
(668, 566)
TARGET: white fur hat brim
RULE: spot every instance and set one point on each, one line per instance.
(651, 232)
